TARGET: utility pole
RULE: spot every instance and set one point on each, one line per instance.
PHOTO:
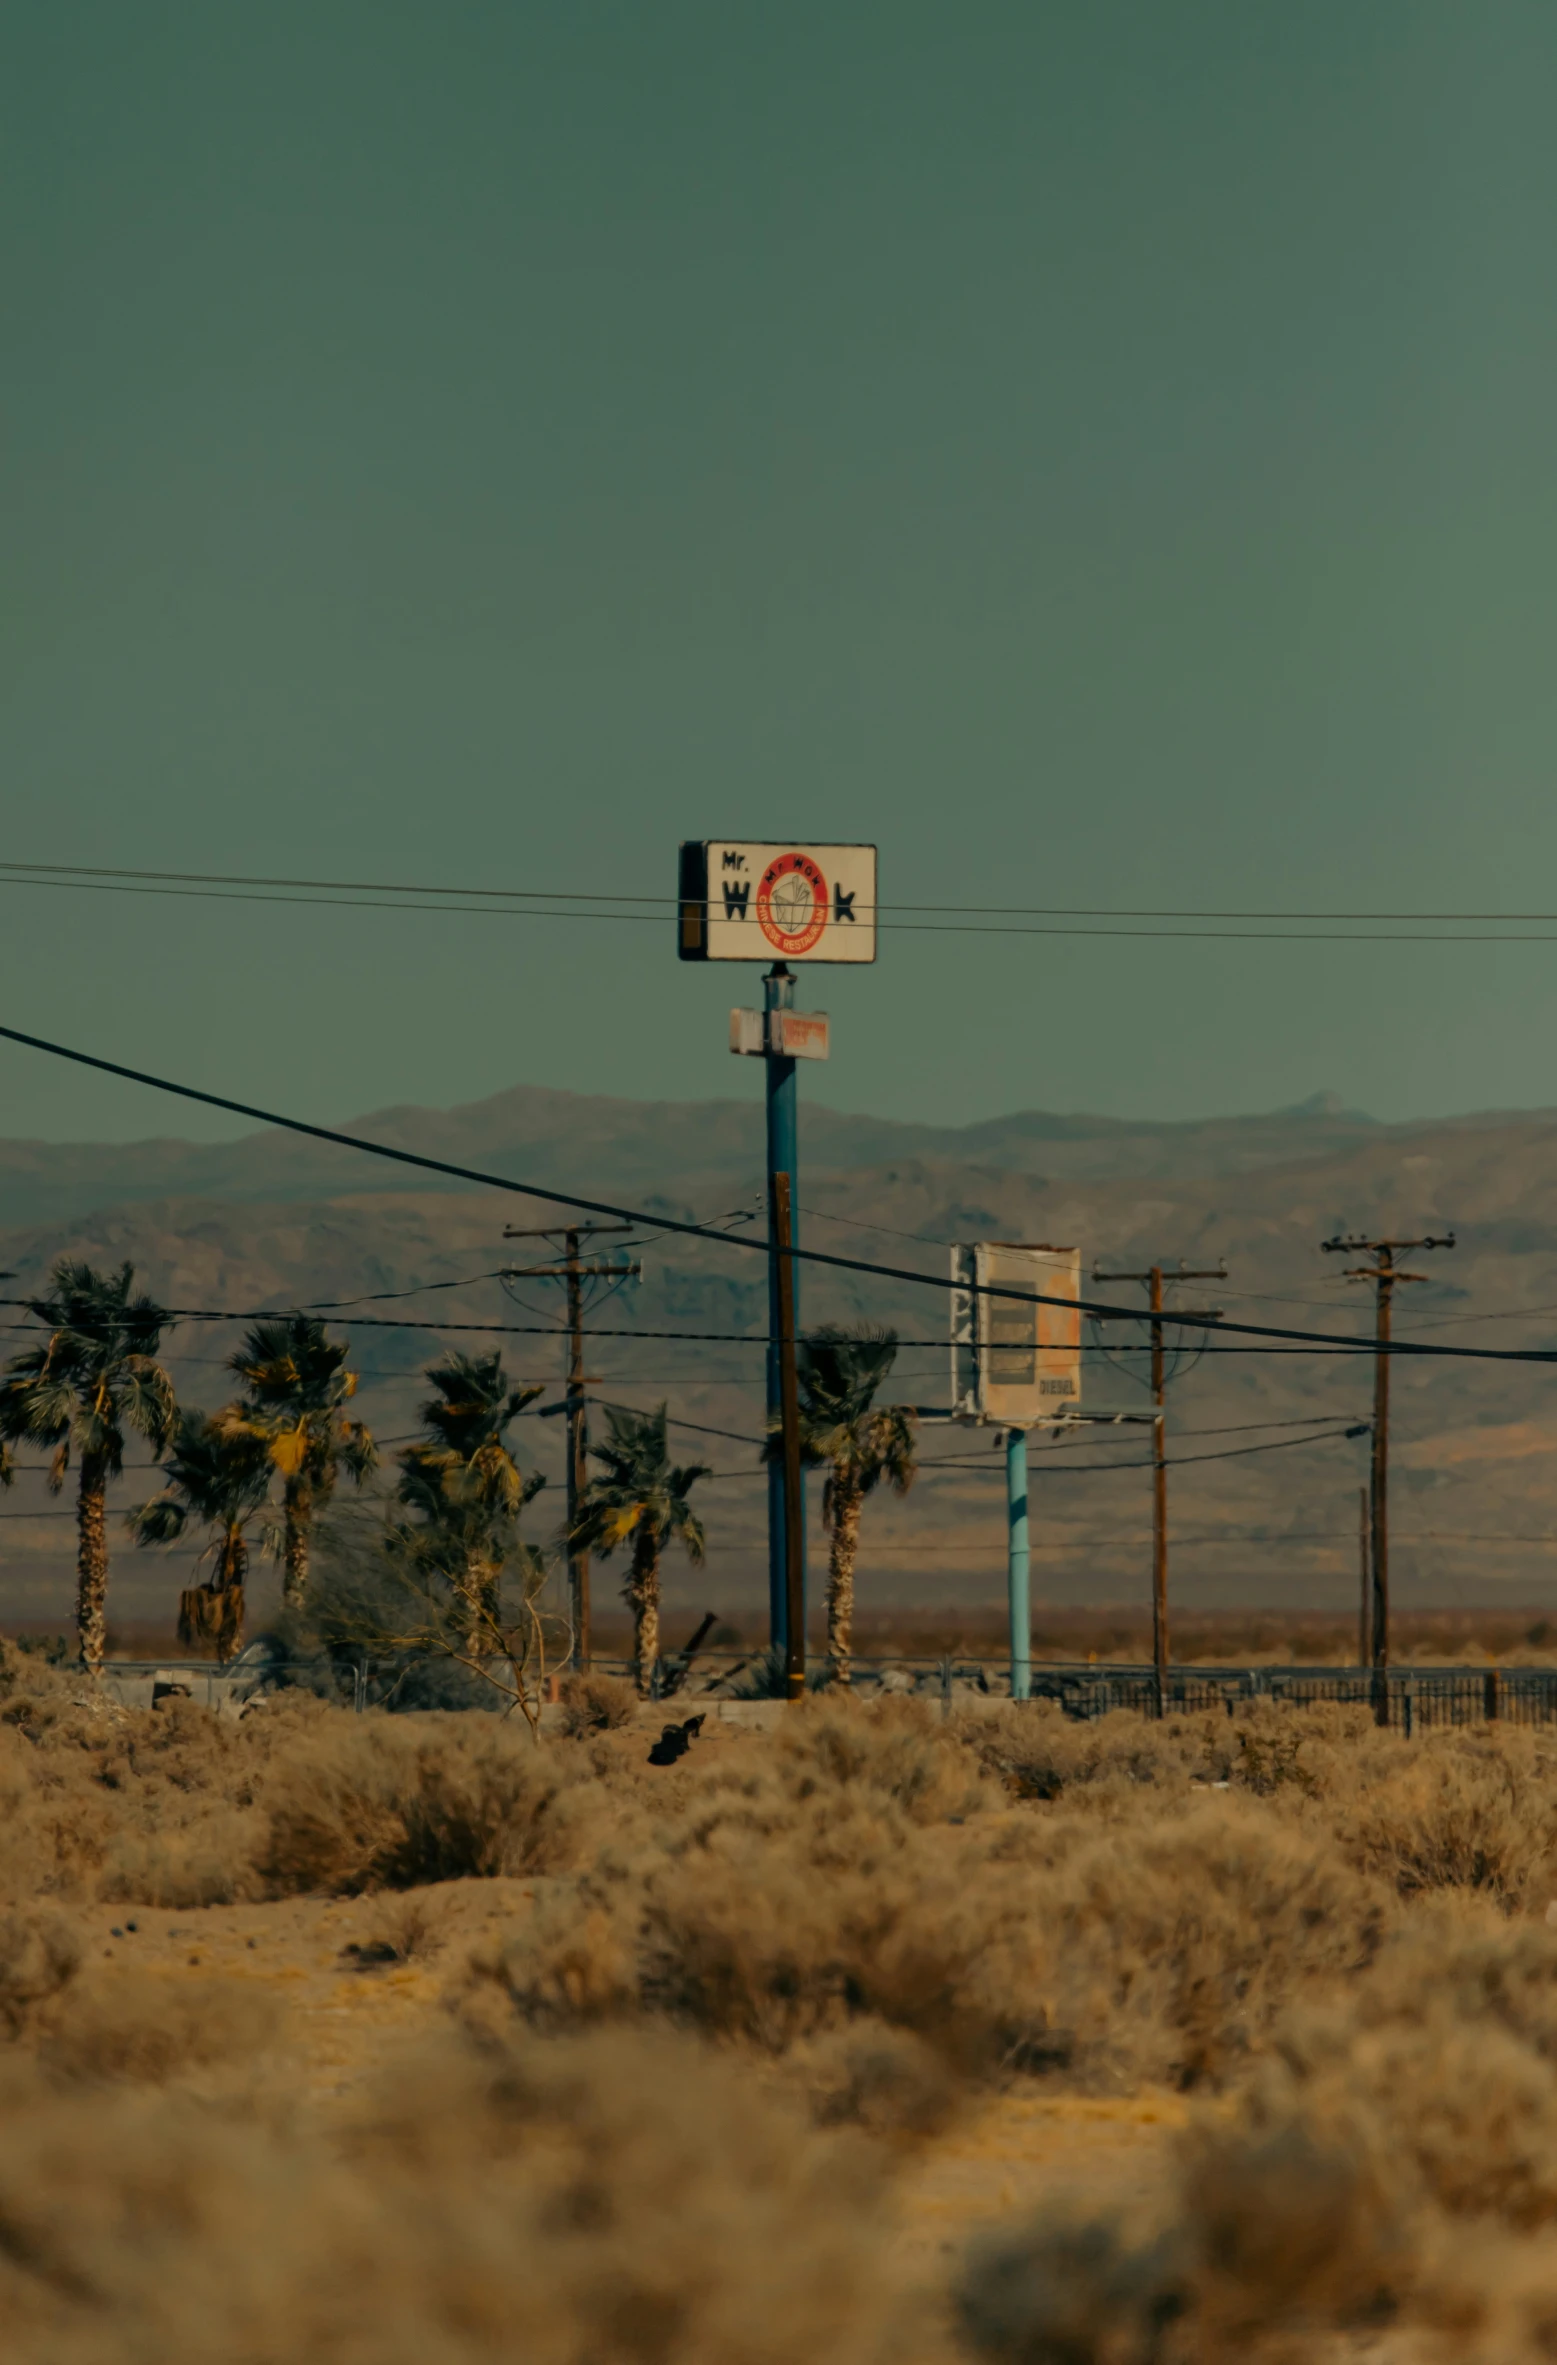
(1153, 1279)
(1362, 1570)
(1384, 1273)
(1019, 1596)
(575, 1271)
(786, 1505)
(789, 1428)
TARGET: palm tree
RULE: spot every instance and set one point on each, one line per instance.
(220, 1476)
(297, 1386)
(463, 1481)
(640, 1497)
(839, 1370)
(96, 1371)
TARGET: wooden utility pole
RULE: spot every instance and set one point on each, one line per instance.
(789, 1427)
(1384, 1273)
(1153, 1279)
(572, 1269)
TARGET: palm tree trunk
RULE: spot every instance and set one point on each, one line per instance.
(214, 1613)
(840, 1574)
(234, 1569)
(298, 1506)
(643, 1599)
(92, 1563)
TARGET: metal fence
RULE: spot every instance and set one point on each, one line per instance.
(1419, 1697)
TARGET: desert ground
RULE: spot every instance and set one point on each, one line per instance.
(858, 2031)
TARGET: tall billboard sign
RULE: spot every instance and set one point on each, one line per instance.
(1015, 1363)
(739, 901)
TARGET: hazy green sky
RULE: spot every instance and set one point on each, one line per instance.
(1105, 453)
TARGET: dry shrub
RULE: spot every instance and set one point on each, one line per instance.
(140, 1807)
(1038, 1752)
(897, 1750)
(211, 1862)
(1179, 1940)
(403, 1930)
(884, 2080)
(147, 2026)
(778, 1908)
(1446, 2051)
(843, 1914)
(374, 1803)
(1264, 2234)
(1464, 1811)
(1041, 1754)
(596, 1703)
(39, 1957)
(613, 2198)
(1393, 2160)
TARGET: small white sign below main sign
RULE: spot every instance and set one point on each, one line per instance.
(741, 901)
(793, 1034)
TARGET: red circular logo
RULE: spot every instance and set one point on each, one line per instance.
(792, 903)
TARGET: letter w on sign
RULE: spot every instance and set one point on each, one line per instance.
(736, 899)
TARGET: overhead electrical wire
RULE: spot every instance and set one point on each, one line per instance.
(1043, 1467)
(740, 1240)
(49, 871)
(751, 1338)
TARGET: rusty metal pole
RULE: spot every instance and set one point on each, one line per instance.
(789, 1426)
(1379, 1539)
(578, 1446)
(1159, 1502)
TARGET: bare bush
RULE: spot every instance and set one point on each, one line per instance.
(375, 1804)
(1039, 1753)
(39, 1957)
(1267, 2235)
(147, 2027)
(617, 2198)
(776, 1909)
(1184, 1937)
(1465, 1811)
(403, 1930)
(898, 1750)
(594, 1703)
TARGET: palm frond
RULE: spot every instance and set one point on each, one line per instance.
(161, 1521)
(359, 1454)
(637, 1488)
(35, 1407)
(217, 1473)
(146, 1398)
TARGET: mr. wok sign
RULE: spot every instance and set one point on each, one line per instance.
(780, 902)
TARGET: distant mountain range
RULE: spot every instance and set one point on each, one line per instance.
(662, 1148)
(275, 1219)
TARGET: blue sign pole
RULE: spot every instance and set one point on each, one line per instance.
(1018, 1566)
(778, 993)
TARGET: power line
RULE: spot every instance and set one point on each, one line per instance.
(1044, 1467)
(668, 1224)
(1345, 1348)
(538, 905)
(47, 871)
